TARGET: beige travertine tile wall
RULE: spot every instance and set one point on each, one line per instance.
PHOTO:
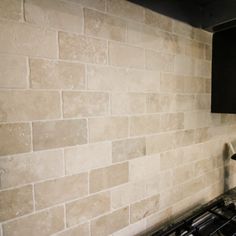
(105, 123)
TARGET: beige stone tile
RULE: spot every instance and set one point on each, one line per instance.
(170, 83)
(120, 79)
(183, 173)
(198, 119)
(183, 29)
(108, 177)
(156, 220)
(132, 229)
(84, 104)
(60, 133)
(172, 121)
(15, 138)
(81, 230)
(167, 103)
(144, 168)
(11, 9)
(96, 4)
(159, 61)
(126, 9)
(82, 48)
(16, 202)
(203, 69)
(31, 167)
(127, 194)
(29, 105)
(208, 52)
(203, 102)
(174, 44)
(126, 56)
(157, 20)
(147, 124)
(105, 26)
(128, 149)
(185, 102)
(110, 223)
(50, 74)
(58, 15)
(13, 71)
(160, 143)
(203, 166)
(86, 157)
(44, 223)
(171, 159)
(128, 103)
(194, 85)
(184, 138)
(108, 128)
(55, 191)
(19, 38)
(184, 65)
(202, 135)
(195, 49)
(153, 102)
(87, 208)
(144, 208)
(203, 36)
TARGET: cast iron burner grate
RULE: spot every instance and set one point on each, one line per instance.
(216, 219)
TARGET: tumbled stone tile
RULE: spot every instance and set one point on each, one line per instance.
(23, 39)
(108, 128)
(13, 71)
(172, 121)
(58, 15)
(84, 104)
(96, 4)
(11, 10)
(60, 190)
(87, 208)
(108, 177)
(16, 202)
(184, 65)
(105, 26)
(61, 133)
(144, 208)
(31, 167)
(126, 56)
(29, 105)
(82, 48)
(15, 138)
(126, 9)
(44, 223)
(81, 230)
(86, 157)
(128, 149)
(50, 74)
(110, 223)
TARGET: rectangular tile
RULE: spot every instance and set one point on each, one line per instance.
(108, 128)
(144, 208)
(96, 4)
(55, 191)
(108, 224)
(51, 74)
(87, 157)
(126, 56)
(31, 167)
(128, 103)
(105, 26)
(61, 133)
(172, 121)
(146, 124)
(84, 104)
(87, 208)
(11, 10)
(58, 15)
(82, 48)
(44, 223)
(15, 138)
(29, 105)
(82, 230)
(16, 202)
(128, 149)
(108, 177)
(20, 38)
(13, 71)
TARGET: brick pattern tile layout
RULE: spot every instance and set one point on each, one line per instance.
(105, 123)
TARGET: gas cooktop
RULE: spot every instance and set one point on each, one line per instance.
(215, 219)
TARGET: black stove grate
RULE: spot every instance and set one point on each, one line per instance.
(216, 219)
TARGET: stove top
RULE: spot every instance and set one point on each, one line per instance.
(215, 219)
